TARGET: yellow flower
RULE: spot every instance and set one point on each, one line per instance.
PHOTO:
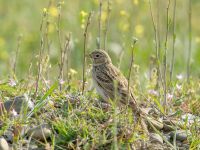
(139, 30)
(44, 10)
(96, 2)
(123, 13)
(83, 14)
(53, 11)
(135, 2)
(72, 71)
(197, 39)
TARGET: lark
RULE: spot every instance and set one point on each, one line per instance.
(109, 82)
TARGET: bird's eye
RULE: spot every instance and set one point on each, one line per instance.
(97, 55)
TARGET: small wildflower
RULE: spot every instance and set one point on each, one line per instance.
(44, 10)
(179, 87)
(61, 81)
(169, 96)
(12, 82)
(153, 92)
(83, 14)
(139, 30)
(124, 13)
(47, 82)
(68, 96)
(13, 113)
(135, 2)
(72, 71)
(197, 39)
(53, 11)
(179, 76)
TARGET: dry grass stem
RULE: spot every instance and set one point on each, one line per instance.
(84, 50)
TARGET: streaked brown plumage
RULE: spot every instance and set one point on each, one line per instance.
(108, 79)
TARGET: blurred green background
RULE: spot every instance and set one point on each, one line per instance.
(128, 18)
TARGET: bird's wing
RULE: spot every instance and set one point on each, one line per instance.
(106, 77)
(126, 97)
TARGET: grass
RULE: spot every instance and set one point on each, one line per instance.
(81, 120)
(47, 66)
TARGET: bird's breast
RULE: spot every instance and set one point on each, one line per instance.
(96, 85)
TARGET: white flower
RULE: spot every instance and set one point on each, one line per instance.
(12, 82)
(179, 76)
(13, 113)
(169, 96)
(47, 82)
(179, 87)
(153, 92)
(61, 81)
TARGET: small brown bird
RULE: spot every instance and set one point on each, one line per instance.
(109, 82)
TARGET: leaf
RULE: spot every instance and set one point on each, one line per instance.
(43, 100)
(159, 105)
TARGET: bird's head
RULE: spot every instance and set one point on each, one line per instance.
(99, 57)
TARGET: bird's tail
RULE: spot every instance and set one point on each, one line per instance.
(140, 118)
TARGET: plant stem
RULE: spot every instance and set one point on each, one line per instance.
(190, 40)
(84, 49)
(17, 53)
(60, 76)
(165, 58)
(100, 12)
(157, 45)
(40, 55)
(131, 65)
(173, 43)
(107, 23)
